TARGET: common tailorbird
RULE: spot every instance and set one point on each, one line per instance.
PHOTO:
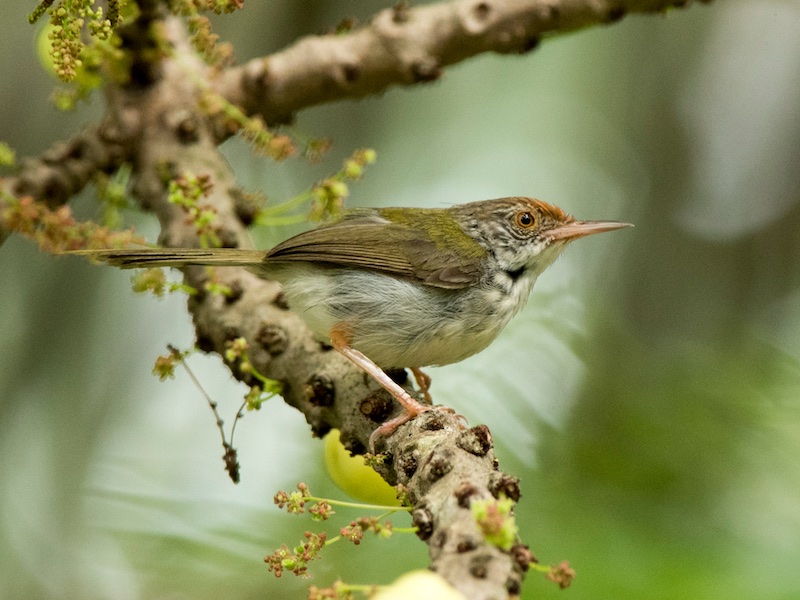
(403, 287)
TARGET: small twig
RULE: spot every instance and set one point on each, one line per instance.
(230, 457)
(239, 415)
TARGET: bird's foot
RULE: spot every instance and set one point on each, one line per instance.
(390, 426)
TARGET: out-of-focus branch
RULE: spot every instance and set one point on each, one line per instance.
(66, 167)
(407, 46)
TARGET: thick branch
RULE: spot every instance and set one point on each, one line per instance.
(406, 46)
(67, 167)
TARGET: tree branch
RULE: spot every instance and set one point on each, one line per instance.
(407, 46)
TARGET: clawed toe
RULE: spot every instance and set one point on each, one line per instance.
(390, 426)
(462, 420)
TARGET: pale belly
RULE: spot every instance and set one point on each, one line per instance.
(397, 323)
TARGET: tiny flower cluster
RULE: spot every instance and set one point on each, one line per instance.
(67, 20)
(112, 193)
(562, 573)
(338, 591)
(354, 166)
(315, 148)
(186, 191)
(327, 197)
(66, 44)
(8, 157)
(331, 193)
(276, 146)
(207, 43)
(355, 531)
(155, 281)
(57, 230)
(296, 560)
(237, 350)
(186, 7)
(236, 353)
(164, 367)
(295, 503)
(496, 521)
(254, 398)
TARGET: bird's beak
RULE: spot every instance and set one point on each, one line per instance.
(579, 229)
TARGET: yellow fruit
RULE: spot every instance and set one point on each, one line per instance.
(353, 476)
(415, 585)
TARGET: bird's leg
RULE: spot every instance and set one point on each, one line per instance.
(423, 383)
(340, 340)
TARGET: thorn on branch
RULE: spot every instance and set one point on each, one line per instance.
(503, 485)
(465, 546)
(401, 12)
(479, 566)
(482, 10)
(465, 493)
(280, 301)
(320, 429)
(376, 407)
(187, 130)
(425, 70)
(272, 338)
(320, 390)
(407, 463)
(350, 72)
(439, 466)
(523, 556)
(247, 205)
(476, 441)
(204, 343)
(236, 293)
(422, 519)
(513, 586)
(615, 14)
(530, 44)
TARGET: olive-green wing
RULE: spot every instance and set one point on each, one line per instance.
(369, 241)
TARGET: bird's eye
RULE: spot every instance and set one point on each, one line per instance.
(526, 220)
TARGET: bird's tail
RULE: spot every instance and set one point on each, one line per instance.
(174, 257)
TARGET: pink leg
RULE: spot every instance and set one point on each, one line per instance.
(340, 341)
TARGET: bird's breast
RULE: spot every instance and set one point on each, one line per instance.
(401, 323)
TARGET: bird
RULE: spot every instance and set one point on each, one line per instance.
(395, 288)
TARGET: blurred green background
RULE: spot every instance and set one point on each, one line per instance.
(647, 396)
